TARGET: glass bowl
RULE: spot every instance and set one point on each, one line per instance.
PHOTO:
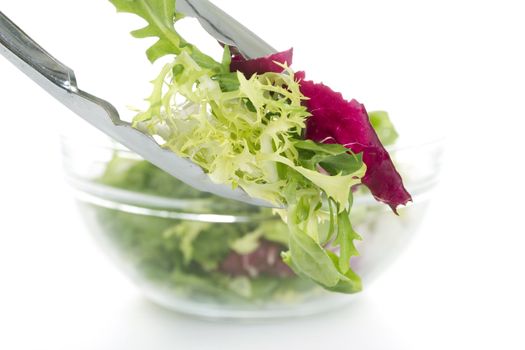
(204, 255)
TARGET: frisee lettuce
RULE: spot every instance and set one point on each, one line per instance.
(248, 132)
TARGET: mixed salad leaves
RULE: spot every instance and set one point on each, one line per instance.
(258, 125)
(234, 263)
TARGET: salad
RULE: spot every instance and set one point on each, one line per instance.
(233, 262)
(258, 125)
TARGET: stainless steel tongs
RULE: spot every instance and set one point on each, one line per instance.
(59, 80)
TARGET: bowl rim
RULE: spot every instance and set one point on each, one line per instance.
(88, 190)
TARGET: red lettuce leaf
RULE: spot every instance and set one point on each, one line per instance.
(265, 260)
(262, 64)
(336, 120)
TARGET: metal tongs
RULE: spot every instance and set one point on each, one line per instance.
(59, 80)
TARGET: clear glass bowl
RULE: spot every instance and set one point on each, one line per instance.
(194, 252)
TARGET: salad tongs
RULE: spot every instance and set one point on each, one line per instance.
(59, 80)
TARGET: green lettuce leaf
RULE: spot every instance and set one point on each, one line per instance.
(383, 126)
(334, 158)
(161, 18)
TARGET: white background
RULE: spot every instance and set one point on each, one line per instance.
(451, 67)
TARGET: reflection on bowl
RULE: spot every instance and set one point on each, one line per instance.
(204, 255)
